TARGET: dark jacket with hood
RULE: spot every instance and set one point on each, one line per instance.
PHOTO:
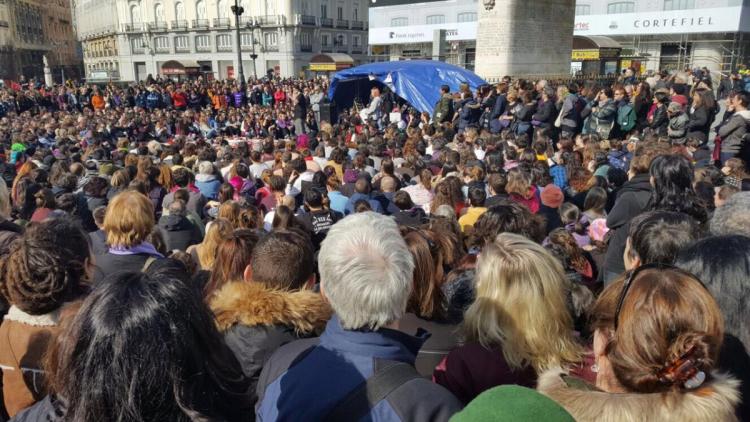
(257, 320)
(179, 233)
(632, 200)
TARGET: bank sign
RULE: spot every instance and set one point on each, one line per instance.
(724, 19)
(422, 33)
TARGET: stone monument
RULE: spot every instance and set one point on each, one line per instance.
(523, 37)
(47, 71)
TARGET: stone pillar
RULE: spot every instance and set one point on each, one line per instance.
(522, 37)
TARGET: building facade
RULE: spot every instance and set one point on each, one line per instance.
(33, 29)
(140, 37)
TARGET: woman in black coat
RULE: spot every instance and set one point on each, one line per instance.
(546, 113)
(701, 115)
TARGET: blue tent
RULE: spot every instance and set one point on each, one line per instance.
(416, 81)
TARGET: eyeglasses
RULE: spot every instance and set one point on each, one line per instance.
(634, 273)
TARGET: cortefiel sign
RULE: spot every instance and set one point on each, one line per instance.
(724, 19)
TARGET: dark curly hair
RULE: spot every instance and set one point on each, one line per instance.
(508, 217)
(46, 267)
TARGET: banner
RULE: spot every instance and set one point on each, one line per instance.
(723, 19)
(422, 33)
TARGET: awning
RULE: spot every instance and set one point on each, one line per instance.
(594, 47)
(331, 62)
(180, 67)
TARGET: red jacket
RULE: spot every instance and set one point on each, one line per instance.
(179, 99)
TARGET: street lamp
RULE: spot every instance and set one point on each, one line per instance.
(238, 11)
(254, 55)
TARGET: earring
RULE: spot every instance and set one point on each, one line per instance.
(595, 368)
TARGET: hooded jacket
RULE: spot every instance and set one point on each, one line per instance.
(179, 233)
(733, 132)
(208, 185)
(257, 320)
(713, 401)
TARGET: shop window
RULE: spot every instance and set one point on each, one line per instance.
(679, 4)
(621, 7)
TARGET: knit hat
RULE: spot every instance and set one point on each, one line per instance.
(512, 403)
(552, 196)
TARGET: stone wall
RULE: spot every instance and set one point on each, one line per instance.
(522, 37)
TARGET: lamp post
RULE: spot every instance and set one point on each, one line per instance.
(238, 11)
(253, 55)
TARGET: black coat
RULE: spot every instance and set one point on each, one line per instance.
(700, 123)
(632, 199)
(443, 339)
(179, 233)
(108, 264)
(545, 115)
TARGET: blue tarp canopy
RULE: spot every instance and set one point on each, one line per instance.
(416, 81)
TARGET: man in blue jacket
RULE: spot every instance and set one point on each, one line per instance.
(361, 368)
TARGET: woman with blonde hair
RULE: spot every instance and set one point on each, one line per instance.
(205, 252)
(657, 337)
(128, 223)
(519, 324)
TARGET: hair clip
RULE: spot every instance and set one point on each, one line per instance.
(696, 381)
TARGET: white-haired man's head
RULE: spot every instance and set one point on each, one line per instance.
(366, 271)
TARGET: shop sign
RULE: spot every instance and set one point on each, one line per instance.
(720, 19)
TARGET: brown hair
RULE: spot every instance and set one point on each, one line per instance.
(667, 315)
(430, 251)
(231, 211)
(284, 259)
(645, 153)
(518, 183)
(219, 230)
(232, 257)
(129, 219)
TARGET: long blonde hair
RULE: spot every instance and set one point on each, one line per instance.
(219, 230)
(521, 305)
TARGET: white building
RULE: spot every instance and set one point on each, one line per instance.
(128, 40)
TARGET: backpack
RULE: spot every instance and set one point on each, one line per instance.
(617, 160)
(626, 118)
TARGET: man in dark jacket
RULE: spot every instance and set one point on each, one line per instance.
(632, 199)
(366, 275)
(444, 107)
(734, 132)
(178, 231)
(183, 179)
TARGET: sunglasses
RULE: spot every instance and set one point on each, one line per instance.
(629, 282)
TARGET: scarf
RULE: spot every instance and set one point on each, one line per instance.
(143, 248)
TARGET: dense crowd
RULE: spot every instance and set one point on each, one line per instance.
(532, 250)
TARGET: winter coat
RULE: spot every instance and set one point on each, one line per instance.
(472, 369)
(545, 115)
(443, 109)
(256, 320)
(733, 133)
(713, 401)
(196, 201)
(208, 184)
(23, 342)
(179, 233)
(443, 339)
(469, 113)
(632, 200)
(571, 112)
(603, 119)
(678, 126)
(325, 371)
(699, 123)
(660, 120)
(108, 264)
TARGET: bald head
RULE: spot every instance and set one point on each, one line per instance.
(388, 184)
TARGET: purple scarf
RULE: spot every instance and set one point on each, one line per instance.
(143, 248)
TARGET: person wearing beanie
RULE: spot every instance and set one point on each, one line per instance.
(678, 121)
(512, 403)
(552, 197)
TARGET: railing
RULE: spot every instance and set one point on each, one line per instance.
(342, 23)
(326, 22)
(271, 48)
(139, 50)
(358, 25)
(356, 50)
(203, 48)
(162, 49)
(270, 20)
(306, 48)
(200, 23)
(221, 22)
(134, 27)
(180, 25)
(182, 48)
(342, 49)
(224, 48)
(326, 49)
(246, 21)
(307, 20)
(158, 26)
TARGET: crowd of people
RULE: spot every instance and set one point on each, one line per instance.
(533, 250)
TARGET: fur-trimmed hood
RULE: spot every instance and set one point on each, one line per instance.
(714, 401)
(254, 304)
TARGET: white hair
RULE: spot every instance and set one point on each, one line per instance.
(732, 217)
(205, 167)
(366, 271)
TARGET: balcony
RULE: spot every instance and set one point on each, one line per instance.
(307, 20)
(134, 27)
(271, 48)
(203, 48)
(326, 22)
(246, 21)
(180, 25)
(221, 22)
(182, 49)
(158, 26)
(200, 23)
(224, 48)
(358, 25)
(306, 48)
(270, 20)
(357, 50)
(326, 49)
(162, 49)
(342, 23)
(139, 50)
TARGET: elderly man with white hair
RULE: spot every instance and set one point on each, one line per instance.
(361, 366)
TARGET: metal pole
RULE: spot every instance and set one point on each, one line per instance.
(254, 56)
(237, 10)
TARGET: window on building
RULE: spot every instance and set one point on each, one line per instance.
(181, 42)
(340, 40)
(355, 11)
(223, 9)
(246, 40)
(356, 41)
(224, 41)
(435, 19)
(324, 10)
(179, 11)
(305, 39)
(271, 39)
(135, 14)
(200, 9)
(303, 6)
(325, 40)
(161, 43)
(467, 17)
(271, 7)
(583, 9)
(202, 41)
(136, 44)
(159, 12)
(339, 13)
(621, 7)
(679, 4)
(400, 22)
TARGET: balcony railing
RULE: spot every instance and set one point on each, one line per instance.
(134, 27)
(270, 20)
(357, 50)
(158, 26)
(306, 48)
(246, 21)
(326, 22)
(342, 23)
(307, 20)
(203, 48)
(182, 48)
(138, 50)
(200, 23)
(221, 22)
(224, 48)
(180, 25)
(326, 49)
(271, 48)
(358, 25)
(163, 49)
